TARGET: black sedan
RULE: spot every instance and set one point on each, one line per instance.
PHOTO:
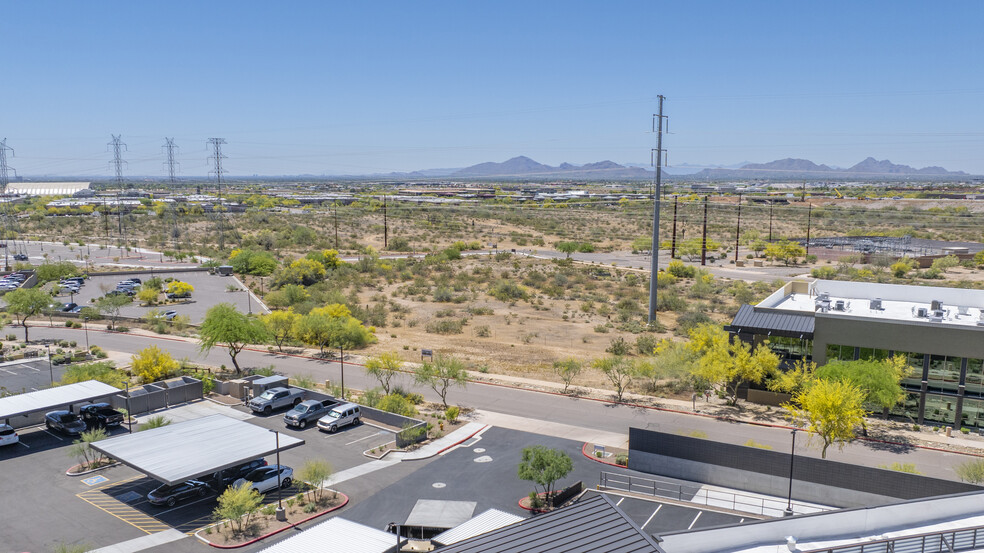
(64, 421)
(169, 495)
(223, 478)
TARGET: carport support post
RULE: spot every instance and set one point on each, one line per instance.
(281, 514)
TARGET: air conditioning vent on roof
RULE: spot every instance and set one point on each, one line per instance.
(839, 305)
(937, 305)
(922, 312)
(876, 304)
(824, 296)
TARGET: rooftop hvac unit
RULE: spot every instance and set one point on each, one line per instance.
(937, 305)
(824, 296)
(922, 312)
(963, 310)
(876, 304)
(839, 305)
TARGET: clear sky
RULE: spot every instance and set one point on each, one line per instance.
(334, 87)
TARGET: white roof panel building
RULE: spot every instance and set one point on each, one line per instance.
(336, 534)
(46, 188)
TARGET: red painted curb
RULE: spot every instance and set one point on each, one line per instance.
(275, 532)
(459, 442)
(530, 509)
(584, 451)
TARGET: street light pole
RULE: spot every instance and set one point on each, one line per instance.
(85, 324)
(281, 514)
(129, 416)
(51, 373)
(341, 359)
(789, 495)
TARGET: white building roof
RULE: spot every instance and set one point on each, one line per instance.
(59, 396)
(899, 302)
(186, 450)
(46, 188)
(336, 534)
(492, 519)
(439, 513)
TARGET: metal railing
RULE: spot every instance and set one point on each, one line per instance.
(770, 507)
(945, 541)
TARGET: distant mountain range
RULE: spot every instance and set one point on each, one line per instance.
(522, 167)
(804, 168)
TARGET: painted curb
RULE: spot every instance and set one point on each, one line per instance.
(584, 451)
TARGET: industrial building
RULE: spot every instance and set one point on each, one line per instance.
(940, 332)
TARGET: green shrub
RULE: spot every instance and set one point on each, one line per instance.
(681, 270)
(451, 413)
(447, 326)
(395, 403)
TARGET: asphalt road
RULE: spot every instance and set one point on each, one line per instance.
(535, 405)
(94, 254)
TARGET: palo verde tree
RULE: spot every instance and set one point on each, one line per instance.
(112, 305)
(441, 374)
(618, 370)
(544, 467)
(729, 363)
(238, 504)
(568, 370)
(152, 364)
(224, 324)
(384, 367)
(24, 303)
(829, 409)
(280, 325)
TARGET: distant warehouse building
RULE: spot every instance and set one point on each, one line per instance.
(940, 332)
(46, 188)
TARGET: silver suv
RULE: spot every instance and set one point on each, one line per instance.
(342, 415)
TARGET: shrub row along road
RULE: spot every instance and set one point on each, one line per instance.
(584, 413)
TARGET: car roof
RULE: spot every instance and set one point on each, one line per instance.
(344, 406)
(59, 412)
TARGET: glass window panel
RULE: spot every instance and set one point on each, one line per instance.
(975, 377)
(867, 353)
(940, 408)
(973, 410)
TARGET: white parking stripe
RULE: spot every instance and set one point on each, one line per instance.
(695, 520)
(25, 445)
(367, 437)
(650, 519)
(53, 436)
(620, 501)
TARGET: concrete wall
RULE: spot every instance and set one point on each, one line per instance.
(763, 471)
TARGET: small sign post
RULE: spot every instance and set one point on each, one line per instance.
(427, 353)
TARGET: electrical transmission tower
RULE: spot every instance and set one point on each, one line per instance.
(170, 164)
(118, 148)
(657, 154)
(216, 161)
(5, 171)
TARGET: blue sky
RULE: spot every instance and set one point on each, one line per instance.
(369, 87)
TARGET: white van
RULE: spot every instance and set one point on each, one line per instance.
(339, 416)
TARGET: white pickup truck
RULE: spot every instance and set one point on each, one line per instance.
(276, 398)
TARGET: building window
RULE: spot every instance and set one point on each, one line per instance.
(940, 408)
(973, 412)
(975, 378)
(944, 373)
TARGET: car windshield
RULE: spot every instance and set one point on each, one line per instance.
(267, 395)
(300, 408)
(68, 417)
(164, 490)
(334, 414)
(258, 475)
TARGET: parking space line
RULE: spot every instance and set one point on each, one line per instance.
(367, 437)
(48, 432)
(8, 372)
(23, 444)
(650, 519)
(620, 501)
(695, 520)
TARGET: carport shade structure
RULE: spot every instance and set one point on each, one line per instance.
(190, 449)
(59, 396)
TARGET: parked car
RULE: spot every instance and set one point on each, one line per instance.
(178, 296)
(100, 415)
(20, 257)
(307, 412)
(77, 280)
(276, 398)
(135, 280)
(69, 307)
(265, 479)
(170, 494)
(76, 309)
(337, 417)
(64, 421)
(7, 435)
(223, 478)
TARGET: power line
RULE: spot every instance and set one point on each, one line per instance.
(170, 164)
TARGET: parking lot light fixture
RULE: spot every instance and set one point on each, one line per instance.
(281, 515)
(129, 417)
(85, 323)
(51, 373)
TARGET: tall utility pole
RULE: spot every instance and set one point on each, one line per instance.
(385, 226)
(335, 210)
(738, 229)
(216, 160)
(673, 243)
(770, 221)
(809, 216)
(170, 164)
(657, 155)
(703, 242)
(4, 180)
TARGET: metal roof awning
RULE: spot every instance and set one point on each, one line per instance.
(493, 519)
(336, 534)
(186, 450)
(437, 513)
(774, 323)
(59, 396)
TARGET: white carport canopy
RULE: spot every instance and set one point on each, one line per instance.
(186, 450)
(336, 534)
(59, 396)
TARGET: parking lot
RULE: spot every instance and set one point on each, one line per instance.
(29, 375)
(209, 290)
(91, 254)
(110, 506)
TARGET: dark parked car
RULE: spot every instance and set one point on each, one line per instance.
(100, 414)
(20, 257)
(64, 421)
(223, 478)
(69, 306)
(169, 495)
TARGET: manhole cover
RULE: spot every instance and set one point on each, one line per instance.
(439, 484)
(483, 459)
(128, 497)
(479, 450)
